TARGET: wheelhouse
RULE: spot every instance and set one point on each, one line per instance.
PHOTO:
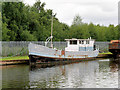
(80, 44)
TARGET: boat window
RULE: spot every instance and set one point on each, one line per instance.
(87, 42)
(81, 42)
(73, 42)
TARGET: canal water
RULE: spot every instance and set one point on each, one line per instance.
(86, 74)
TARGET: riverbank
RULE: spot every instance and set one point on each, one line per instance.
(14, 60)
(105, 55)
(25, 59)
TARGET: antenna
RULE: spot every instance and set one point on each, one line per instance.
(51, 31)
(48, 39)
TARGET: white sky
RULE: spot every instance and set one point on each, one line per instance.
(103, 12)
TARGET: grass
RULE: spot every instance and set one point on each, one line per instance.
(106, 53)
(14, 58)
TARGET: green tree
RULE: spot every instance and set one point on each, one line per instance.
(77, 20)
(100, 33)
(39, 6)
(5, 32)
(26, 23)
(26, 36)
(92, 31)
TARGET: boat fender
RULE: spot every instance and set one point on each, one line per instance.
(62, 52)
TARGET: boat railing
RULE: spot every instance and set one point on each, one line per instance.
(47, 40)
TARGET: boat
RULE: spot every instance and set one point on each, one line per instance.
(114, 48)
(77, 49)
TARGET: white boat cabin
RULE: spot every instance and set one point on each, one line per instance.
(80, 44)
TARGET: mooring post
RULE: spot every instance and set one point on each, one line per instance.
(32, 60)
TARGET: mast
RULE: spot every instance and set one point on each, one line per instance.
(51, 32)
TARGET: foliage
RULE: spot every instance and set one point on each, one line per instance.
(5, 35)
(26, 36)
(77, 20)
(33, 23)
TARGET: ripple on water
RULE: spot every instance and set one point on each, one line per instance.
(89, 74)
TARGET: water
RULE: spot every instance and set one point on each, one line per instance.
(89, 74)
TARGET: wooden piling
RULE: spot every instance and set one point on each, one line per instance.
(32, 60)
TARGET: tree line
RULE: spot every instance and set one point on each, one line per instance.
(22, 22)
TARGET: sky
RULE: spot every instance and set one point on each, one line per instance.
(103, 12)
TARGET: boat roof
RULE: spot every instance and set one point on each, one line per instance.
(78, 39)
(113, 41)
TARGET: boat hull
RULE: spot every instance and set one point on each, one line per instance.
(44, 53)
(57, 59)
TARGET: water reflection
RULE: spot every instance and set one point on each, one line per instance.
(86, 74)
(15, 76)
(113, 66)
(91, 74)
